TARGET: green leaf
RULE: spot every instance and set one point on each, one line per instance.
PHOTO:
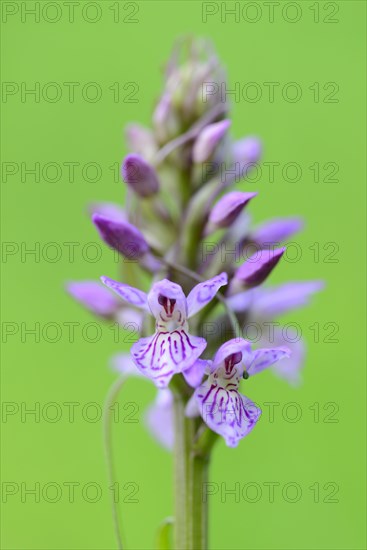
(164, 539)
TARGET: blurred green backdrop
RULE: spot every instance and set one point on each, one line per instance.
(315, 464)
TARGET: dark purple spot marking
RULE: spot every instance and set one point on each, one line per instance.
(231, 361)
(167, 303)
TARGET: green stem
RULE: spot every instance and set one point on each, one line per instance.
(199, 466)
(181, 474)
(191, 467)
(185, 187)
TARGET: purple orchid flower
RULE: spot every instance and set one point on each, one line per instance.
(225, 410)
(171, 349)
(180, 176)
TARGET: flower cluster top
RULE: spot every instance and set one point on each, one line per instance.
(186, 227)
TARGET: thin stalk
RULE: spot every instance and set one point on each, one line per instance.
(191, 514)
(107, 436)
(198, 528)
(181, 469)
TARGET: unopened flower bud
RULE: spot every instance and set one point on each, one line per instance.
(108, 210)
(247, 150)
(166, 125)
(122, 236)
(139, 175)
(208, 140)
(245, 154)
(140, 140)
(257, 268)
(228, 208)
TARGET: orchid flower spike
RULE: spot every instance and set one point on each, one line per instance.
(171, 349)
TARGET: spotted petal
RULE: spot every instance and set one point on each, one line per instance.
(132, 295)
(226, 411)
(166, 353)
(203, 293)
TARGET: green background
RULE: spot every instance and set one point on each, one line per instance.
(305, 452)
